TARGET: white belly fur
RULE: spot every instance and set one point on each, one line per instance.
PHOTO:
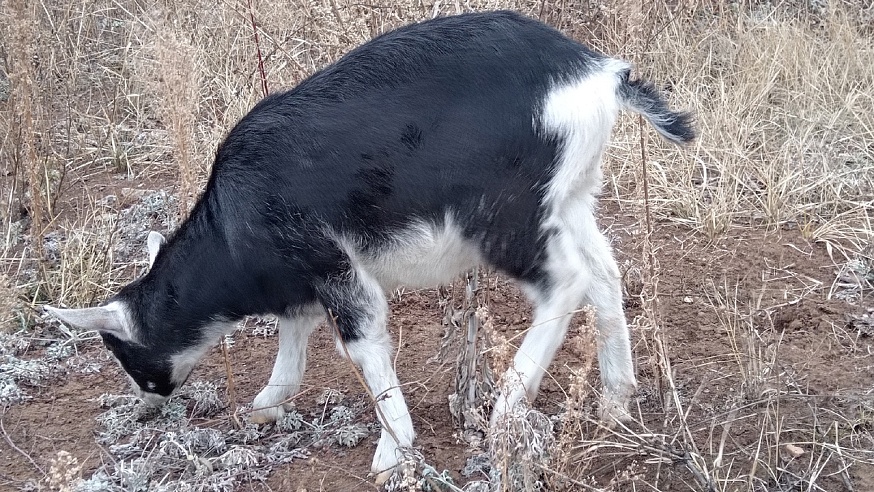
(424, 255)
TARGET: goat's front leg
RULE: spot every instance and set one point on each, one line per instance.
(360, 309)
(271, 402)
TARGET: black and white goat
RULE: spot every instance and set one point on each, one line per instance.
(460, 141)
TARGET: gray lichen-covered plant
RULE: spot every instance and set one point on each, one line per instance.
(177, 447)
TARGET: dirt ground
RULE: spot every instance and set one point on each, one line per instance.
(800, 373)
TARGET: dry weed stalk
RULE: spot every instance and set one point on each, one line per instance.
(467, 341)
(179, 68)
(474, 377)
(28, 162)
(649, 323)
(566, 459)
(231, 389)
(257, 39)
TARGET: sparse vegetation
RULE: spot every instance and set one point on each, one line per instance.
(175, 448)
(749, 268)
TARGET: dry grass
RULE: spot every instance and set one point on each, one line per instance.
(785, 116)
(106, 94)
(783, 142)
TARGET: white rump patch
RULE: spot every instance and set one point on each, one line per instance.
(581, 114)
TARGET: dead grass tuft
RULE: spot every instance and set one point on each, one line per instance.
(13, 315)
(784, 116)
(177, 61)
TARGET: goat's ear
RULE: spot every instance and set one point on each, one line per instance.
(154, 243)
(104, 319)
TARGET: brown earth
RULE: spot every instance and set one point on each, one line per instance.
(819, 377)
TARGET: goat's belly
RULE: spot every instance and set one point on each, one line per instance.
(423, 256)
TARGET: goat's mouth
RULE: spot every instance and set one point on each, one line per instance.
(152, 400)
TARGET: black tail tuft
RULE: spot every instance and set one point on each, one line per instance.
(642, 97)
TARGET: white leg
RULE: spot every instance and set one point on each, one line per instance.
(360, 310)
(374, 358)
(580, 267)
(287, 370)
(552, 314)
(614, 346)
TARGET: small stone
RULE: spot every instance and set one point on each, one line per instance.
(794, 450)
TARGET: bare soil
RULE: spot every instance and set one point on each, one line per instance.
(818, 370)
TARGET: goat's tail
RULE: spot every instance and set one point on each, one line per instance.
(642, 97)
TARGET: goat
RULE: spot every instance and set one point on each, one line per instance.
(459, 141)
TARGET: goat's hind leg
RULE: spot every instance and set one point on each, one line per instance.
(614, 347)
(294, 331)
(554, 304)
(579, 269)
(603, 292)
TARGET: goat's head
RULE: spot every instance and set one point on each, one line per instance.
(155, 369)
